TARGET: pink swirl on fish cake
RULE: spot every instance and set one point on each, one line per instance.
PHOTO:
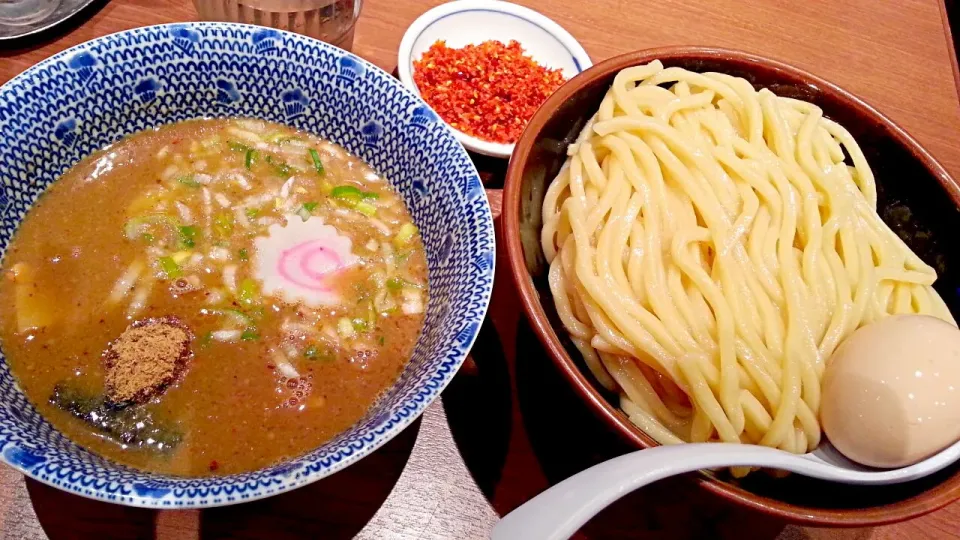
(309, 264)
(298, 260)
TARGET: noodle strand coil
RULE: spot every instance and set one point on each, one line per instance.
(710, 245)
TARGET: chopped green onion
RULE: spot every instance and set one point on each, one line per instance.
(188, 235)
(244, 256)
(366, 208)
(206, 339)
(279, 166)
(248, 292)
(251, 212)
(170, 267)
(405, 234)
(351, 195)
(345, 328)
(180, 256)
(360, 325)
(249, 158)
(238, 316)
(350, 199)
(395, 284)
(311, 352)
(250, 334)
(317, 164)
(147, 237)
(223, 224)
(238, 147)
(305, 210)
(188, 181)
(380, 340)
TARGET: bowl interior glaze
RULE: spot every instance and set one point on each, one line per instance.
(89, 96)
(916, 197)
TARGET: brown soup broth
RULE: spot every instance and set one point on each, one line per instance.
(182, 208)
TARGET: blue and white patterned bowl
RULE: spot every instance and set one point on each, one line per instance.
(70, 105)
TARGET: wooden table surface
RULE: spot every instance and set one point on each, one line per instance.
(494, 440)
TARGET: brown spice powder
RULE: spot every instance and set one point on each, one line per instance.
(147, 357)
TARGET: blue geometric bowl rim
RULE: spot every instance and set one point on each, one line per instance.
(290, 483)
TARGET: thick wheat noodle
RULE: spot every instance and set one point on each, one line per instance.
(710, 245)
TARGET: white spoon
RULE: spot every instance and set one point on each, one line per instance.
(558, 512)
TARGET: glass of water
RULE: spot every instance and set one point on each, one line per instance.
(332, 21)
(23, 12)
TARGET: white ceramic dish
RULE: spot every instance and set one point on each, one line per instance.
(465, 22)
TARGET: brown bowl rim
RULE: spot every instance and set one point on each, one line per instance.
(933, 499)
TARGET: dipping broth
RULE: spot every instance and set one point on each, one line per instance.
(292, 272)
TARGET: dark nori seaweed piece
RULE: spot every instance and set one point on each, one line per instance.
(128, 424)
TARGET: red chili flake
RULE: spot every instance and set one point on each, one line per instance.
(488, 91)
(214, 465)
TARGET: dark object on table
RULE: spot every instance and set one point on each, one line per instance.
(65, 11)
(952, 9)
(909, 183)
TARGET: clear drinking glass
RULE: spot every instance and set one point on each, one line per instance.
(332, 21)
(21, 12)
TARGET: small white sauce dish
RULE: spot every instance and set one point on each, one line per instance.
(466, 22)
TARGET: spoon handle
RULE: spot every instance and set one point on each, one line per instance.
(558, 512)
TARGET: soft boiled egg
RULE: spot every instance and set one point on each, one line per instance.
(891, 391)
